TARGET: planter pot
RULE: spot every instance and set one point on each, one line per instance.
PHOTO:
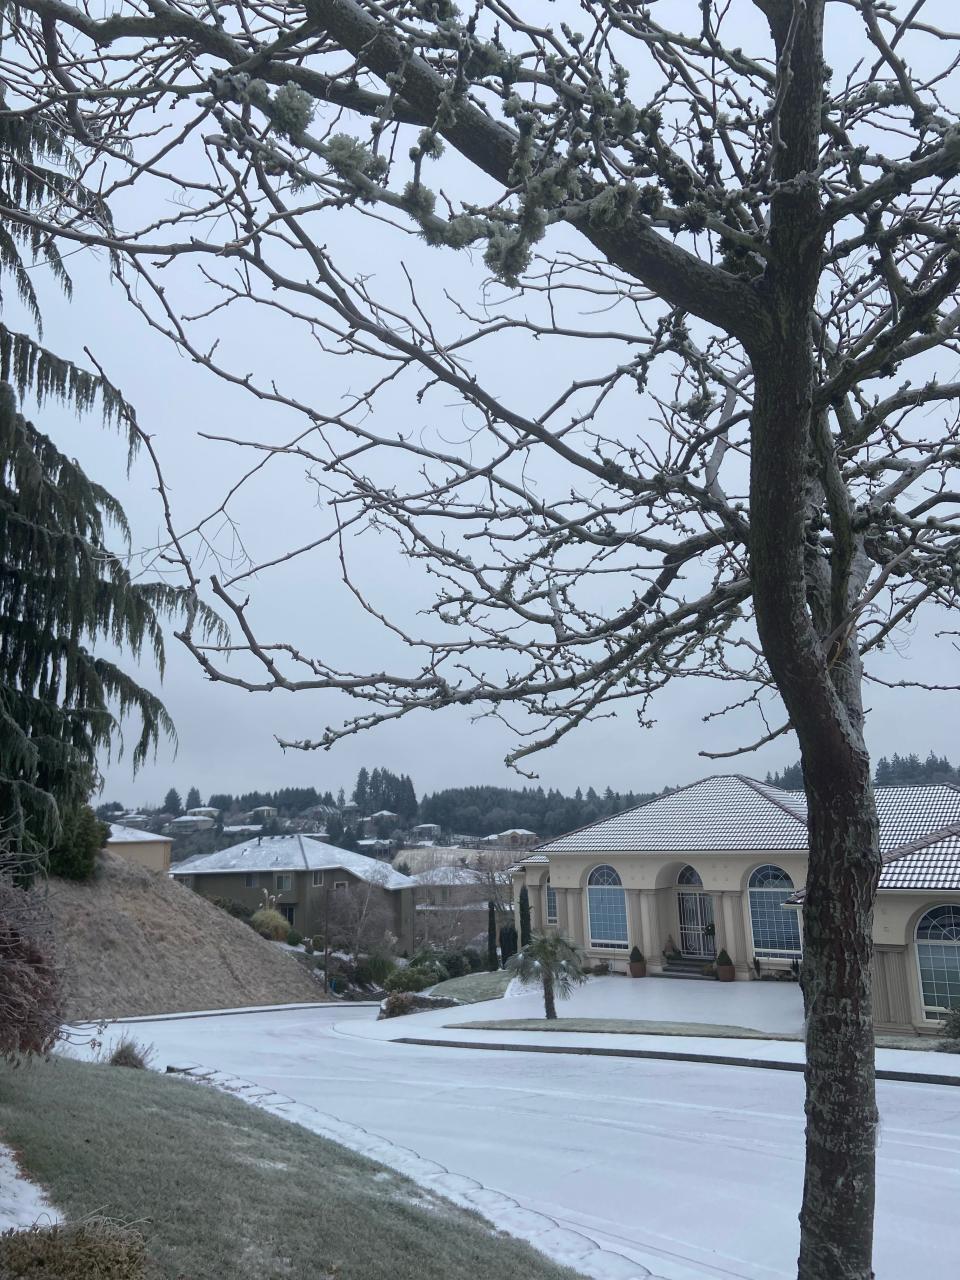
(726, 973)
(638, 970)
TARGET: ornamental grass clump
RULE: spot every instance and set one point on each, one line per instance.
(128, 1052)
(270, 924)
(94, 1248)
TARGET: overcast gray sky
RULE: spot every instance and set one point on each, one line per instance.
(226, 736)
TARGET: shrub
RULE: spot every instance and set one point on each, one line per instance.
(30, 986)
(82, 836)
(409, 979)
(474, 959)
(235, 909)
(397, 1004)
(270, 924)
(308, 946)
(601, 969)
(293, 938)
(318, 943)
(74, 1251)
(128, 1052)
(373, 970)
(636, 956)
(723, 959)
(951, 1025)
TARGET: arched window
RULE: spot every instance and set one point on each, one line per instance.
(607, 908)
(551, 903)
(776, 928)
(938, 953)
(691, 877)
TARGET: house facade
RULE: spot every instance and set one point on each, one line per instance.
(304, 876)
(142, 847)
(722, 864)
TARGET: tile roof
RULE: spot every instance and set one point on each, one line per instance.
(721, 813)
(919, 828)
(291, 853)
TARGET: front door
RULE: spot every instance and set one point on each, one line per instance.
(696, 925)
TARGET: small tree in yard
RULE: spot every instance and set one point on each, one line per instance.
(359, 918)
(525, 931)
(493, 960)
(732, 277)
(553, 962)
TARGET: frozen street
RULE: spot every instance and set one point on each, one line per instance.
(687, 1170)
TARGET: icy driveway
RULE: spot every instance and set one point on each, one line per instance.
(693, 1171)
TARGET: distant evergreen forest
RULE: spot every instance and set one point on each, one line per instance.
(897, 771)
(483, 811)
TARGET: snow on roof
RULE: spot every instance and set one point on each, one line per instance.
(733, 812)
(516, 831)
(291, 853)
(120, 834)
(448, 875)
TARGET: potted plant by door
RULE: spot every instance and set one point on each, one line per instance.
(725, 969)
(638, 966)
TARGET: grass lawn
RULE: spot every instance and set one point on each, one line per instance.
(474, 987)
(222, 1189)
(626, 1027)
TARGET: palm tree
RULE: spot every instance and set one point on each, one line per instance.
(553, 961)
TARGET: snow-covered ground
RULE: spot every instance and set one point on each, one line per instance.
(22, 1203)
(676, 1170)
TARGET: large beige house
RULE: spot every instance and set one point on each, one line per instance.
(721, 863)
(301, 875)
(142, 847)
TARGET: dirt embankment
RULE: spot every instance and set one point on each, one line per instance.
(134, 942)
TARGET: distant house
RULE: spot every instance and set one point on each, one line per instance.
(203, 811)
(299, 872)
(514, 838)
(142, 847)
(376, 847)
(383, 819)
(188, 823)
(262, 813)
(451, 902)
(425, 831)
(722, 863)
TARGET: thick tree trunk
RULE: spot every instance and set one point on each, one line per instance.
(549, 1003)
(838, 1195)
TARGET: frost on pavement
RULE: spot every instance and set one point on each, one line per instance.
(571, 1248)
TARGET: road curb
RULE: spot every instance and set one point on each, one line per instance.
(667, 1055)
(229, 1013)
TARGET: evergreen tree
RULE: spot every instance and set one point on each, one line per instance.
(82, 836)
(193, 800)
(63, 592)
(525, 932)
(172, 803)
(360, 791)
(221, 801)
(493, 962)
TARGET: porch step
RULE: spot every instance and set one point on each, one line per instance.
(688, 975)
(688, 964)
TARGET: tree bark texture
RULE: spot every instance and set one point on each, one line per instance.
(802, 602)
(549, 1002)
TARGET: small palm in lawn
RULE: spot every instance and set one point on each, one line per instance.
(552, 961)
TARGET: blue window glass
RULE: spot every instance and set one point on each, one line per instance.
(776, 929)
(607, 909)
(938, 954)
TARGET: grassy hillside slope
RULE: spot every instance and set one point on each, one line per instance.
(134, 942)
(220, 1189)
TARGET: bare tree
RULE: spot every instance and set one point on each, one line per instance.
(734, 455)
(31, 994)
(359, 918)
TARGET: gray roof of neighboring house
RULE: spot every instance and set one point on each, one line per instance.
(291, 853)
(457, 875)
(732, 812)
(119, 834)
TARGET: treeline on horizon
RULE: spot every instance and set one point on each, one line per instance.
(895, 771)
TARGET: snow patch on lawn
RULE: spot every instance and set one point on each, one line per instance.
(22, 1202)
(560, 1243)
